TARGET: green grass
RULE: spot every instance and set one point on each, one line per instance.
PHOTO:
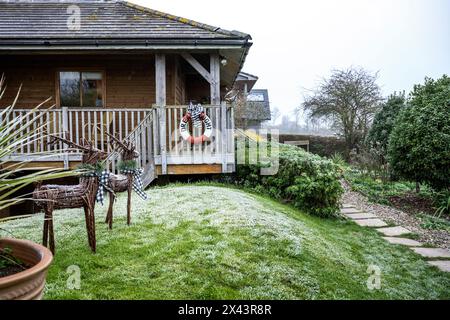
(210, 242)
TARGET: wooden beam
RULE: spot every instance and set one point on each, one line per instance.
(299, 143)
(42, 165)
(177, 169)
(160, 82)
(215, 78)
(197, 66)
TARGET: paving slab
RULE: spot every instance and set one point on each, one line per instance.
(374, 223)
(432, 252)
(403, 241)
(360, 216)
(443, 265)
(393, 231)
(350, 210)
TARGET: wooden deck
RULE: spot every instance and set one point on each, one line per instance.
(154, 131)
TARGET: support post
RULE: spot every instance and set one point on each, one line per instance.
(215, 78)
(223, 115)
(65, 128)
(231, 136)
(160, 74)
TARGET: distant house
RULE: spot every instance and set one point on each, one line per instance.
(252, 107)
(245, 82)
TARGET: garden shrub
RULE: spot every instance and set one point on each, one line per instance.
(309, 182)
(419, 145)
(383, 123)
(379, 190)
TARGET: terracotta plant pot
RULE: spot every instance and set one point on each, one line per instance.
(28, 284)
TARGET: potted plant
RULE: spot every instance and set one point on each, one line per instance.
(23, 269)
(23, 264)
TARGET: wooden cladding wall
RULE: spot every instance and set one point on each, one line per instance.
(129, 83)
(180, 84)
(197, 89)
(36, 77)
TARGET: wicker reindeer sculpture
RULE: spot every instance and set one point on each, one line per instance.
(83, 195)
(124, 181)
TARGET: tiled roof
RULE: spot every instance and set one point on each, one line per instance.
(101, 19)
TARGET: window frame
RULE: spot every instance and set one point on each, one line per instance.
(80, 70)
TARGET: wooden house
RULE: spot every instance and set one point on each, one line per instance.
(113, 66)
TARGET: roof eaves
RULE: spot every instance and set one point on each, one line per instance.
(124, 43)
(249, 76)
(193, 23)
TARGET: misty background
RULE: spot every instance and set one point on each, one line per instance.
(297, 43)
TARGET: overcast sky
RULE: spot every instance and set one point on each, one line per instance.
(298, 42)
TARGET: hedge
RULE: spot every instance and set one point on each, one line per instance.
(324, 146)
(310, 182)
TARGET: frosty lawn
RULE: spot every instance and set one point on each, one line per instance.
(210, 242)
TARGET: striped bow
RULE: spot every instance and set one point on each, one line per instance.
(103, 178)
(196, 110)
(137, 181)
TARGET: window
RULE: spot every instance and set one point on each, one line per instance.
(81, 89)
(256, 97)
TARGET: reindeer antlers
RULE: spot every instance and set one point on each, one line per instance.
(128, 149)
(68, 142)
(87, 146)
(120, 143)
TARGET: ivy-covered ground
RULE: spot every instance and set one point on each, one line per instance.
(212, 242)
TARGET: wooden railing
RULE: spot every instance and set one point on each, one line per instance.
(142, 137)
(79, 123)
(154, 130)
(218, 150)
(76, 124)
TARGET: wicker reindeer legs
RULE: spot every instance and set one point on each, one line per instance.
(83, 195)
(121, 182)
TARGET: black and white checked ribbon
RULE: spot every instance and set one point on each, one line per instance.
(196, 110)
(103, 178)
(137, 181)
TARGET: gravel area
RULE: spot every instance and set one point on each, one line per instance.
(438, 238)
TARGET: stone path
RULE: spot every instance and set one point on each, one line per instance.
(432, 252)
(403, 241)
(355, 216)
(443, 265)
(439, 238)
(394, 231)
(371, 222)
(394, 235)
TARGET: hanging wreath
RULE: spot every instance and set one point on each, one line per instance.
(196, 114)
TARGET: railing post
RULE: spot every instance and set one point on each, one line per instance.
(231, 133)
(162, 137)
(65, 128)
(223, 128)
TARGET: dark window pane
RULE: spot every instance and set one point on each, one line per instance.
(69, 89)
(92, 89)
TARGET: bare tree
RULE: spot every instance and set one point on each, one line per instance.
(275, 115)
(349, 99)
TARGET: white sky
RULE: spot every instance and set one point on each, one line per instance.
(298, 42)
